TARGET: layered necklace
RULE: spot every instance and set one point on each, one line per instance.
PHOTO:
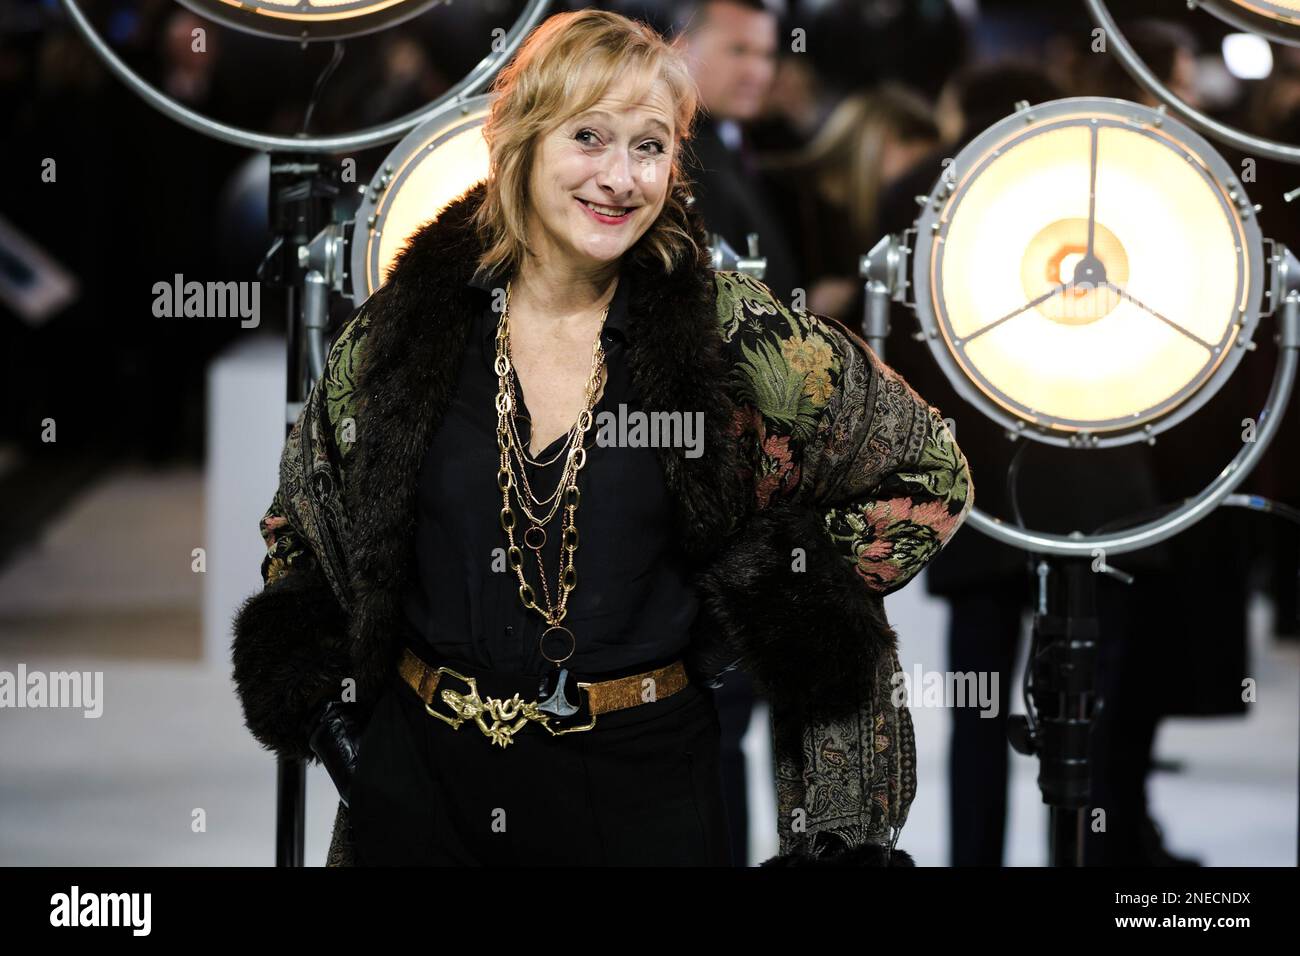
(539, 512)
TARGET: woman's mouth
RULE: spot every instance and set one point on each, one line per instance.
(607, 214)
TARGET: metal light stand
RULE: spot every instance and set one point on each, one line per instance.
(1063, 664)
(302, 196)
(725, 258)
(1063, 682)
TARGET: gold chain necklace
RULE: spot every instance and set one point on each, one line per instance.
(518, 446)
(509, 445)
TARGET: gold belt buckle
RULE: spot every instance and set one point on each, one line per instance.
(508, 716)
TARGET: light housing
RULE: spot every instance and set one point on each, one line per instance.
(1076, 349)
(436, 162)
(1277, 19)
(309, 20)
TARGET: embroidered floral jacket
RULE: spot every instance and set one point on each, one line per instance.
(825, 484)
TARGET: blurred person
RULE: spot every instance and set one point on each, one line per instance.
(859, 44)
(1168, 48)
(1064, 59)
(156, 232)
(798, 104)
(399, 639)
(399, 78)
(190, 52)
(1275, 99)
(731, 48)
(973, 99)
(1272, 111)
(832, 187)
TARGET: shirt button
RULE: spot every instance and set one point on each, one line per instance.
(510, 630)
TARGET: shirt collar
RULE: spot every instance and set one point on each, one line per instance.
(615, 323)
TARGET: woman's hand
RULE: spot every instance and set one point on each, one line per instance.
(336, 741)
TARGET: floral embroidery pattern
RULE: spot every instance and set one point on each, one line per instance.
(283, 545)
(908, 485)
(341, 382)
(893, 538)
(815, 360)
(824, 420)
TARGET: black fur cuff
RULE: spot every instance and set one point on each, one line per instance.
(811, 639)
(290, 655)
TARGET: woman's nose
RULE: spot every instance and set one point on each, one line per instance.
(615, 176)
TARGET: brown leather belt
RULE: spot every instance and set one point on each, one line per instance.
(501, 719)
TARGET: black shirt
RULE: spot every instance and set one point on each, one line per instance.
(633, 605)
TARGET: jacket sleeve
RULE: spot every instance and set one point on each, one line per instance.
(907, 486)
(857, 483)
(290, 645)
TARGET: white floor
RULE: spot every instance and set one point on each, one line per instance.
(169, 776)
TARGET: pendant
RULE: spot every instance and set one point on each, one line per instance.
(541, 644)
(535, 541)
(558, 703)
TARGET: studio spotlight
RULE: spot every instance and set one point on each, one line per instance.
(1276, 19)
(435, 163)
(316, 20)
(1279, 19)
(1092, 272)
(1087, 273)
(308, 20)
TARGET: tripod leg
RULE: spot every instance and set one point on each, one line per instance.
(290, 811)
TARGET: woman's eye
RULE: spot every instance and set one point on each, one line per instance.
(658, 146)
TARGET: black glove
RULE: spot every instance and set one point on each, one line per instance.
(335, 741)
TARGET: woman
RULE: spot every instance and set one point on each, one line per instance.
(488, 551)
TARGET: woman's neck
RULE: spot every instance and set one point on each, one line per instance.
(557, 292)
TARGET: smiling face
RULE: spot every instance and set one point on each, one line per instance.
(617, 156)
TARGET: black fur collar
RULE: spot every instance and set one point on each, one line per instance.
(419, 321)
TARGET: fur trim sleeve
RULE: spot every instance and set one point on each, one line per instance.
(291, 646)
(290, 655)
(796, 614)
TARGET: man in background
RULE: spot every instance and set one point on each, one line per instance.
(732, 48)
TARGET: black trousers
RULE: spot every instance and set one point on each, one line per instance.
(642, 788)
(735, 701)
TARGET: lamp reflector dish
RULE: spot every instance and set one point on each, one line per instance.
(434, 164)
(1088, 272)
(309, 19)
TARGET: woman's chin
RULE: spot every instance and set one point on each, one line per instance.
(603, 255)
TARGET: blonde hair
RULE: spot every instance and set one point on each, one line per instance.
(564, 67)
